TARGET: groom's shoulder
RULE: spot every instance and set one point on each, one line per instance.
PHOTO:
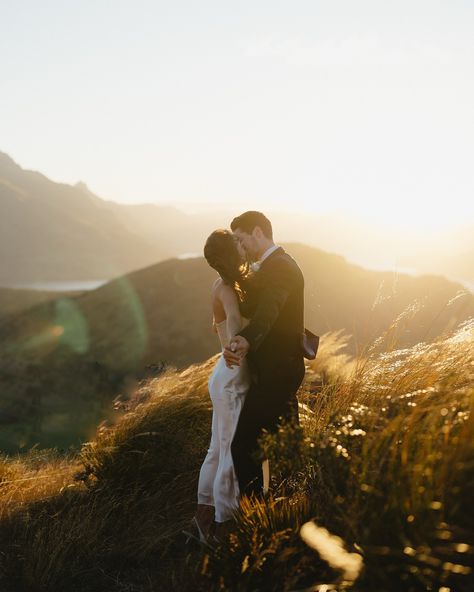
(282, 260)
(284, 256)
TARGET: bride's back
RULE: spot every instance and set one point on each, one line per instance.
(219, 313)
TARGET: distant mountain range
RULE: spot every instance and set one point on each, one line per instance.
(460, 265)
(57, 232)
(63, 360)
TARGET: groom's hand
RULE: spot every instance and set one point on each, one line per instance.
(235, 351)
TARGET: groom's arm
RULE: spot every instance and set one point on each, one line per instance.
(277, 283)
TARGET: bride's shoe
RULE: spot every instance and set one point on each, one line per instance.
(203, 538)
(222, 531)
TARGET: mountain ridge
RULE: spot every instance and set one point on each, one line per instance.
(69, 237)
(69, 357)
(93, 238)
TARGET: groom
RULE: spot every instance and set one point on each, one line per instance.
(271, 342)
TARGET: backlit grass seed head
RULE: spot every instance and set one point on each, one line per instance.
(331, 548)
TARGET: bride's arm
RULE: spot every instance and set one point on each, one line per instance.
(230, 303)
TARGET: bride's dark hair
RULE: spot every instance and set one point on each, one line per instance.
(222, 255)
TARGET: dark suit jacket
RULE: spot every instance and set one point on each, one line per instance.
(277, 323)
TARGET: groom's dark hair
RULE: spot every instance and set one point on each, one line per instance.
(249, 220)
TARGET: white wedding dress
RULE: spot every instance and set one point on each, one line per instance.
(218, 485)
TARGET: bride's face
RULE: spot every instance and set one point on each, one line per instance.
(240, 249)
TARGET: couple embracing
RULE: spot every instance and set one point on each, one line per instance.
(258, 309)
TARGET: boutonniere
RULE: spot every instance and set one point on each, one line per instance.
(255, 266)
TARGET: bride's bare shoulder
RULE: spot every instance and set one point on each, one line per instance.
(222, 291)
(217, 290)
(217, 284)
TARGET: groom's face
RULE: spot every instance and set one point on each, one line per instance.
(248, 243)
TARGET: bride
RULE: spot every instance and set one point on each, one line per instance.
(218, 489)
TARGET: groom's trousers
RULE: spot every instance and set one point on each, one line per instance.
(271, 397)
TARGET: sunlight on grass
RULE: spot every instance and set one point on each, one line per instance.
(331, 549)
(372, 491)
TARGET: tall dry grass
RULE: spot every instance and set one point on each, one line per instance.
(372, 492)
(82, 523)
(385, 460)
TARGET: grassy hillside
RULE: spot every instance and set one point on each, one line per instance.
(14, 301)
(63, 361)
(384, 460)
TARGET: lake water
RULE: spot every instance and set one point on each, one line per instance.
(62, 286)
(79, 285)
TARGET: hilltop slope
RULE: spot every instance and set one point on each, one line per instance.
(14, 301)
(383, 459)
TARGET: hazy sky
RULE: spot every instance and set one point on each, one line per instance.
(364, 106)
